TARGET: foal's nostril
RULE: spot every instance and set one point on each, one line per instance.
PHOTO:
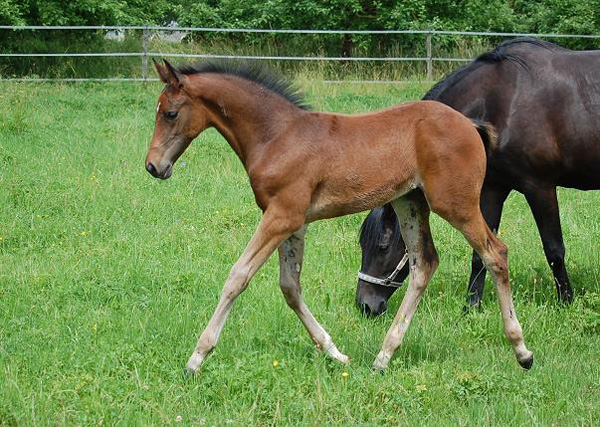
(151, 169)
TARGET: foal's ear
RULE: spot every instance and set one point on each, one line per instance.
(168, 74)
(161, 70)
(174, 77)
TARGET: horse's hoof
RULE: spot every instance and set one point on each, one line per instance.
(194, 362)
(188, 372)
(378, 369)
(344, 359)
(335, 354)
(472, 306)
(566, 298)
(527, 363)
(381, 362)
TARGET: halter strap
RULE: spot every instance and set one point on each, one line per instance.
(388, 281)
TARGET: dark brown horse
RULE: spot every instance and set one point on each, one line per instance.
(304, 166)
(545, 103)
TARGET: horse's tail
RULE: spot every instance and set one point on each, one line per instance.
(489, 135)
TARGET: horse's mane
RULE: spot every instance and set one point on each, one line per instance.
(502, 52)
(371, 230)
(253, 72)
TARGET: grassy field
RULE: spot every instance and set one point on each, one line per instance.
(107, 276)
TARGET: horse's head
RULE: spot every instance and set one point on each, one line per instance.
(178, 121)
(382, 249)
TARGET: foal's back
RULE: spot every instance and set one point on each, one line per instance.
(380, 156)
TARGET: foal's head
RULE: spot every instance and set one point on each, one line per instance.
(178, 122)
(217, 94)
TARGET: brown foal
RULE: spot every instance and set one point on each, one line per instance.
(304, 166)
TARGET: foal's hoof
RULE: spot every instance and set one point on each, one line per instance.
(527, 362)
(344, 359)
(335, 354)
(194, 362)
(378, 369)
(381, 362)
(188, 373)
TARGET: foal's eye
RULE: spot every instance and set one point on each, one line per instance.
(171, 115)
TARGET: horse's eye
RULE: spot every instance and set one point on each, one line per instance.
(171, 115)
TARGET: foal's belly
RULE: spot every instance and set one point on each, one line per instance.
(333, 202)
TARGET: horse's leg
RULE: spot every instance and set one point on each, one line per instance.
(544, 205)
(495, 258)
(413, 217)
(290, 266)
(276, 225)
(492, 201)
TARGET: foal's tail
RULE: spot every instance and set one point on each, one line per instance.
(488, 134)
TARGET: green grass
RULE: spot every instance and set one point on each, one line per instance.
(108, 275)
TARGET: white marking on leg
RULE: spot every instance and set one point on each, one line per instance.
(234, 286)
(291, 253)
(494, 256)
(401, 322)
(268, 236)
(512, 327)
(414, 222)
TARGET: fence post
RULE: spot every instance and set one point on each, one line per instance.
(145, 53)
(429, 57)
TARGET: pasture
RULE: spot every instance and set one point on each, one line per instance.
(107, 276)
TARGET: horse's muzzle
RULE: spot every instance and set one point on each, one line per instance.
(370, 303)
(164, 174)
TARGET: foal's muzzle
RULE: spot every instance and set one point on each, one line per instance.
(164, 174)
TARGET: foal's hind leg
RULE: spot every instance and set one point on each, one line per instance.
(413, 216)
(291, 252)
(495, 257)
(492, 201)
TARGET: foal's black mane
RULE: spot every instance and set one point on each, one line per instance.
(371, 230)
(501, 53)
(253, 72)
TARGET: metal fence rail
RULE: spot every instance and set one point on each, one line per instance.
(275, 31)
(429, 59)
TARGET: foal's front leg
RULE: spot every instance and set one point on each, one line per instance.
(275, 226)
(291, 252)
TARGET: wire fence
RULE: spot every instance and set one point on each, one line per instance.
(145, 51)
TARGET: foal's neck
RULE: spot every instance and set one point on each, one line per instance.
(245, 114)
